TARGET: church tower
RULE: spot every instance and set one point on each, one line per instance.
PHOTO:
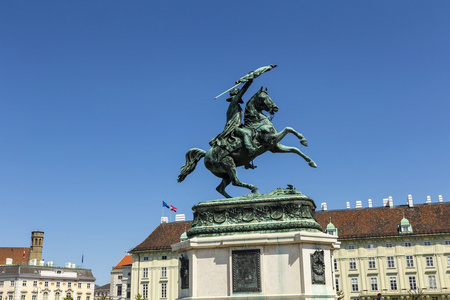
(37, 239)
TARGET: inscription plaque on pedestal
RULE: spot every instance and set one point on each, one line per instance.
(246, 270)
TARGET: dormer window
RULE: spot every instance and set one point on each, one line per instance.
(331, 229)
(405, 226)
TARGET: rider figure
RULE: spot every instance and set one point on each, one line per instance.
(234, 119)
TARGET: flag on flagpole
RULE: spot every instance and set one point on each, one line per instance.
(82, 258)
(166, 205)
(23, 255)
(173, 208)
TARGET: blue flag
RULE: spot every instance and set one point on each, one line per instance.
(166, 205)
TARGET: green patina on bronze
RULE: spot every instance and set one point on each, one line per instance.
(240, 143)
(278, 211)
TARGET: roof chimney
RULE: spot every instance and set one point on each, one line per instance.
(385, 202)
(370, 202)
(441, 199)
(391, 202)
(323, 205)
(428, 199)
(164, 220)
(180, 217)
(358, 204)
(9, 261)
(410, 201)
(348, 205)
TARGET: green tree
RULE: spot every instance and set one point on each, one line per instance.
(339, 295)
(68, 297)
(139, 297)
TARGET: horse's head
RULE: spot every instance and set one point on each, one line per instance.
(263, 102)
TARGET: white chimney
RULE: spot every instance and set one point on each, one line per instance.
(323, 205)
(348, 205)
(74, 266)
(385, 202)
(428, 199)
(68, 264)
(9, 261)
(441, 199)
(410, 201)
(370, 202)
(164, 220)
(33, 262)
(358, 204)
(180, 217)
(391, 202)
(41, 262)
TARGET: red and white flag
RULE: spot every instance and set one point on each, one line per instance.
(23, 255)
(173, 208)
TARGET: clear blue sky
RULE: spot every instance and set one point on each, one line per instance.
(100, 100)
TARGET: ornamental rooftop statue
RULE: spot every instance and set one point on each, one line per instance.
(239, 144)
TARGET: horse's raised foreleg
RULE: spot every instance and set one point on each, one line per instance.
(279, 148)
(280, 135)
(221, 187)
(229, 166)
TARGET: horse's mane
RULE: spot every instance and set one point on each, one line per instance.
(251, 114)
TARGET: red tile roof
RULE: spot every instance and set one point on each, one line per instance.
(165, 235)
(126, 260)
(16, 253)
(384, 221)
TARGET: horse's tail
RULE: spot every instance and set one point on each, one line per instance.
(192, 158)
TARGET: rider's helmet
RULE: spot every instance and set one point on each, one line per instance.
(233, 93)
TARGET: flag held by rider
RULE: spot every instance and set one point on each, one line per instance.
(251, 75)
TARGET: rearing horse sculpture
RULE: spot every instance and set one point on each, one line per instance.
(264, 137)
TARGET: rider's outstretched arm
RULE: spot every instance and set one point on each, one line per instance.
(244, 89)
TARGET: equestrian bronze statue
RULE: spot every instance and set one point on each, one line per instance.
(239, 144)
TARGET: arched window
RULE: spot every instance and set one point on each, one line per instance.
(45, 296)
(57, 296)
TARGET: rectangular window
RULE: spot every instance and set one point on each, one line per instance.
(336, 282)
(164, 257)
(412, 283)
(145, 258)
(78, 297)
(164, 272)
(372, 263)
(22, 297)
(429, 260)
(35, 283)
(163, 290)
(119, 290)
(427, 243)
(88, 298)
(432, 282)
(119, 277)
(370, 246)
(88, 285)
(24, 283)
(447, 242)
(145, 290)
(10, 297)
(1, 283)
(351, 247)
(448, 261)
(393, 283)
(409, 261)
(11, 283)
(374, 284)
(355, 286)
(408, 244)
(145, 273)
(46, 283)
(58, 284)
(33, 297)
(434, 298)
(335, 264)
(390, 261)
(352, 262)
(69, 285)
(388, 245)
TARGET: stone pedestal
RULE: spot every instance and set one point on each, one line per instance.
(269, 247)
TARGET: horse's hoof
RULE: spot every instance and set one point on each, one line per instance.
(304, 142)
(312, 164)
